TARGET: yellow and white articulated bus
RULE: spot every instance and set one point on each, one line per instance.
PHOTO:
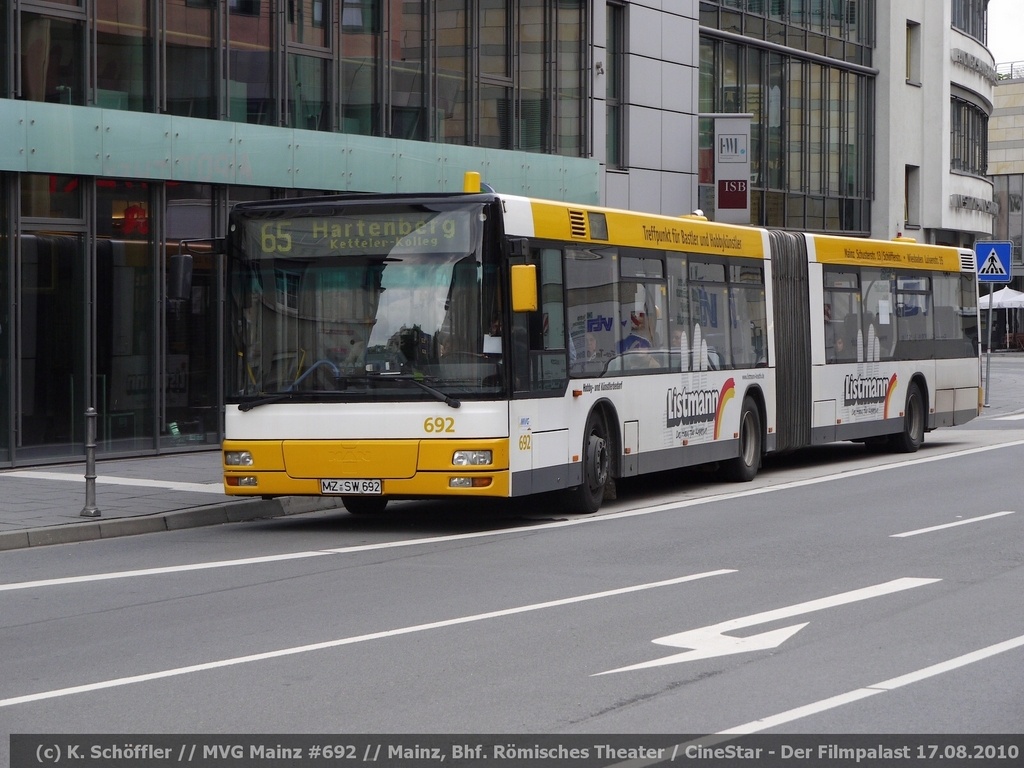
(478, 344)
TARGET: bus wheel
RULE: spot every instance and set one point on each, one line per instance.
(587, 497)
(744, 467)
(910, 439)
(365, 505)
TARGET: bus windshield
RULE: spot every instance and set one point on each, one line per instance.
(346, 300)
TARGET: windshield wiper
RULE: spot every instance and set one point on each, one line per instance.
(445, 398)
(343, 382)
(265, 401)
(288, 395)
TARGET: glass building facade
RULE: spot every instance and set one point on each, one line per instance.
(802, 70)
(133, 125)
(1009, 196)
(492, 73)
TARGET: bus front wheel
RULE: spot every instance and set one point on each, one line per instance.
(910, 439)
(364, 505)
(587, 497)
(744, 467)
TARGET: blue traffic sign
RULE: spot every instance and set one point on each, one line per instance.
(993, 260)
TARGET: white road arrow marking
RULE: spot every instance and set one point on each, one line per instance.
(708, 642)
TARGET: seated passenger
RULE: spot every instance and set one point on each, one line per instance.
(838, 350)
(639, 333)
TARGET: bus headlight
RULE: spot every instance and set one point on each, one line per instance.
(471, 458)
(238, 459)
(476, 481)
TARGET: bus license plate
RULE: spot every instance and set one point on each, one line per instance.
(351, 487)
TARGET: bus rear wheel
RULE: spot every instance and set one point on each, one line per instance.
(910, 439)
(587, 497)
(744, 467)
(364, 505)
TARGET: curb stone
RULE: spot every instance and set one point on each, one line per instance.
(237, 511)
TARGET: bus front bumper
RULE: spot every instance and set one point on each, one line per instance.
(391, 468)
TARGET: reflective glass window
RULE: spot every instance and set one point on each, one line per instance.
(190, 58)
(309, 22)
(407, 47)
(251, 81)
(451, 76)
(360, 51)
(569, 98)
(126, 391)
(124, 55)
(52, 59)
(52, 385)
(51, 196)
(191, 323)
(6, 249)
(309, 92)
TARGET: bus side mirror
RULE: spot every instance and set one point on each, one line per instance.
(524, 288)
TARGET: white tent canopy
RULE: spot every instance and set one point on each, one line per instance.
(1004, 298)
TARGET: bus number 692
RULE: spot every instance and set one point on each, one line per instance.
(439, 424)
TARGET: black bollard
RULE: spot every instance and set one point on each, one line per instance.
(90, 509)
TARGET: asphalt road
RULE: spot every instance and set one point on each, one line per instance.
(839, 593)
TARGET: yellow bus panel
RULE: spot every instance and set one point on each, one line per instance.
(885, 253)
(554, 221)
(351, 458)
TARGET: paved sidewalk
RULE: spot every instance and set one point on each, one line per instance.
(44, 505)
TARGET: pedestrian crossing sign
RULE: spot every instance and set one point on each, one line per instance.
(993, 260)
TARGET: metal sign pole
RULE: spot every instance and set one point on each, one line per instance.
(988, 357)
(993, 260)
